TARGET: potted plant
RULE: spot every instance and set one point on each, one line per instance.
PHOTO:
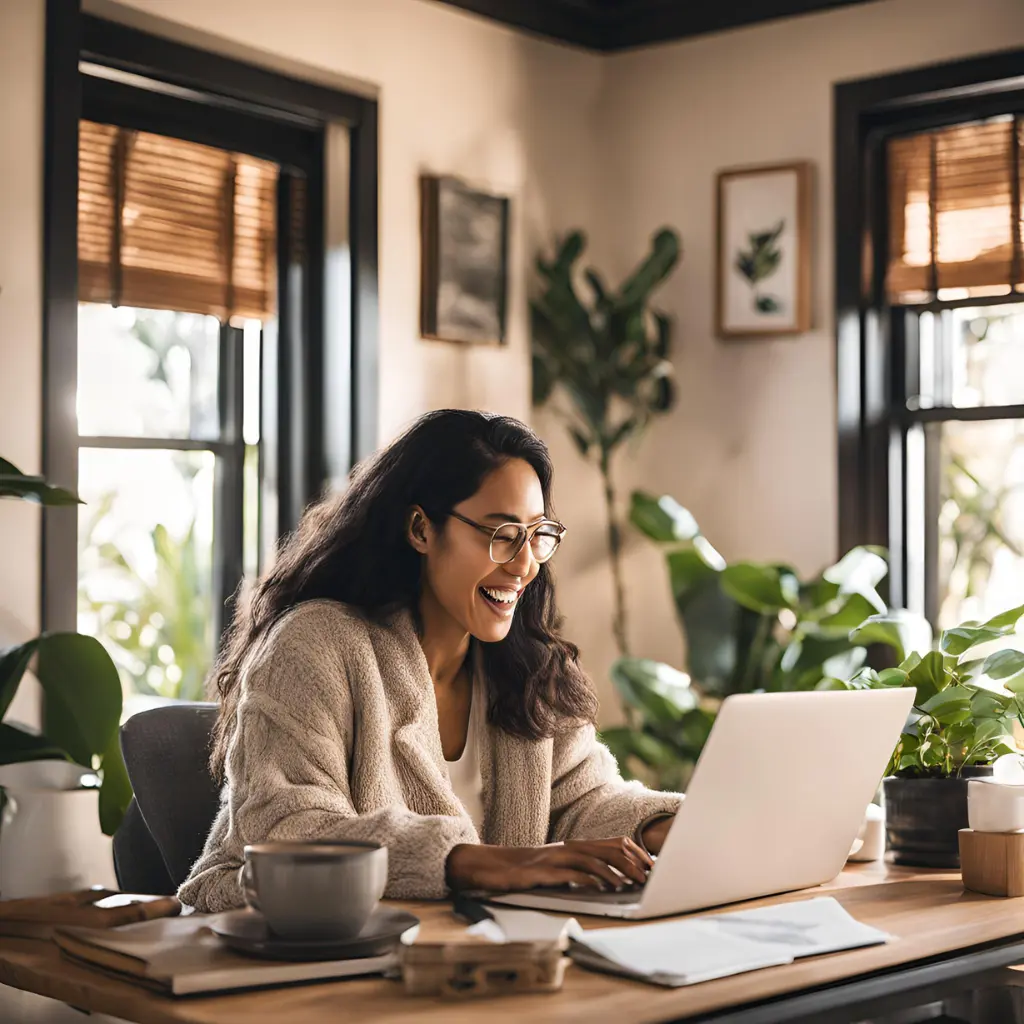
(606, 354)
(962, 720)
(747, 626)
(83, 710)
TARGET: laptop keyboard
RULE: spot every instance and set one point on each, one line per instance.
(628, 896)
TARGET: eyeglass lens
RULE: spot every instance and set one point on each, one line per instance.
(508, 540)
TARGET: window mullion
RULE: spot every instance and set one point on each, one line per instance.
(228, 507)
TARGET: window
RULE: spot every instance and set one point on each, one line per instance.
(177, 270)
(188, 344)
(953, 282)
(930, 331)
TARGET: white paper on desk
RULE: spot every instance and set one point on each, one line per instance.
(684, 952)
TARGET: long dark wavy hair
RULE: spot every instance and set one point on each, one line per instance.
(353, 548)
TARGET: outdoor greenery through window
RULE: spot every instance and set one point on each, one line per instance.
(151, 473)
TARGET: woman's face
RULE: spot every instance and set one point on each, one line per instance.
(480, 595)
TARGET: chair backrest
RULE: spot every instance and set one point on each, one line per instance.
(166, 750)
(138, 863)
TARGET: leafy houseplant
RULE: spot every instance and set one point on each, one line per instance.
(748, 626)
(81, 684)
(608, 353)
(962, 720)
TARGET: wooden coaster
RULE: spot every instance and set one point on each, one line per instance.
(992, 862)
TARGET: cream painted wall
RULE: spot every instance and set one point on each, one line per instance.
(21, 184)
(750, 447)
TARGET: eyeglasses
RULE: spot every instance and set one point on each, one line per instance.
(508, 539)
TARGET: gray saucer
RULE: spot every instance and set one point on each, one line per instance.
(245, 931)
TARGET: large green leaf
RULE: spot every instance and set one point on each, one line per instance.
(805, 654)
(83, 694)
(660, 691)
(960, 639)
(761, 588)
(853, 609)
(1003, 664)
(656, 266)
(900, 630)
(543, 380)
(712, 620)
(13, 663)
(950, 705)
(860, 571)
(116, 789)
(928, 675)
(662, 519)
(1006, 620)
(17, 745)
(15, 484)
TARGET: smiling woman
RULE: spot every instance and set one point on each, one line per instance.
(398, 676)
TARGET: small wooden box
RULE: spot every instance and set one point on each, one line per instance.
(461, 970)
(992, 862)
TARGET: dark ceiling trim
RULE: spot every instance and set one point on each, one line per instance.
(612, 25)
(555, 19)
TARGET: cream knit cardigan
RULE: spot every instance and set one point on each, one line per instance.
(336, 737)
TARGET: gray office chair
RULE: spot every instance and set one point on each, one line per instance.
(166, 750)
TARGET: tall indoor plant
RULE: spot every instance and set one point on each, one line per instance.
(607, 353)
(81, 684)
(747, 626)
(962, 720)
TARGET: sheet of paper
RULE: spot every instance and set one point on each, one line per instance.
(701, 948)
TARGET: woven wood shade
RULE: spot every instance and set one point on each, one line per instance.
(168, 224)
(955, 209)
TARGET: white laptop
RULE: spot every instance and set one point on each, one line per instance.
(774, 804)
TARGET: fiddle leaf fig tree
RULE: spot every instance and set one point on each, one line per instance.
(600, 358)
(81, 684)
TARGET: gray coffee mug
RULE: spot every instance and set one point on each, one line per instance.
(315, 890)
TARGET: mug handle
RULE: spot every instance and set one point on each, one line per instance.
(248, 886)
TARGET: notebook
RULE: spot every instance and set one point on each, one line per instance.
(181, 956)
(36, 917)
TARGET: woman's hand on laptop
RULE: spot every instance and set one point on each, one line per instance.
(602, 864)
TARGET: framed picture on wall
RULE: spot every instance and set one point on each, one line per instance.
(464, 262)
(763, 265)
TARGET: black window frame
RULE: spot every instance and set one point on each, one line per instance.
(215, 100)
(873, 341)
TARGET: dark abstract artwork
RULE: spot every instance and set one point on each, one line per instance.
(464, 263)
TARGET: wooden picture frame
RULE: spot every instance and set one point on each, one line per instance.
(763, 250)
(463, 263)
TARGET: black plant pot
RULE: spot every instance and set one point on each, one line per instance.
(923, 817)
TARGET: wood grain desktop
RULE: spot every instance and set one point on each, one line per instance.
(928, 913)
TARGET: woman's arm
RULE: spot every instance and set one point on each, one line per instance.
(590, 800)
(287, 774)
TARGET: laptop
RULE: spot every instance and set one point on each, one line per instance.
(775, 804)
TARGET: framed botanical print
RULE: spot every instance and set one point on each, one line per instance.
(763, 261)
(464, 262)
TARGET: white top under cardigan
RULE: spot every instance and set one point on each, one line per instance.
(464, 772)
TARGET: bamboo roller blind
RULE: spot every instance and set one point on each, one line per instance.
(955, 209)
(169, 224)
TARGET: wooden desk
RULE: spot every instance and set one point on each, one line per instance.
(940, 931)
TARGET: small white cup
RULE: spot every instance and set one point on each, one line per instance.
(870, 842)
(994, 806)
